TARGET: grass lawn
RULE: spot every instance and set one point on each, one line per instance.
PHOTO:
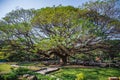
(89, 73)
(4, 68)
(69, 73)
(39, 64)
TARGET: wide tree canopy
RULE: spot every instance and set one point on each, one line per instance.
(62, 31)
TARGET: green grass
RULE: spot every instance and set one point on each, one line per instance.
(31, 64)
(5, 68)
(70, 73)
(90, 73)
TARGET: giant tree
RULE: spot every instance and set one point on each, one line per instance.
(62, 30)
(66, 32)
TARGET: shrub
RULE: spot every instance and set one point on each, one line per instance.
(1, 77)
(68, 76)
(10, 76)
(14, 74)
(21, 71)
(80, 76)
(45, 77)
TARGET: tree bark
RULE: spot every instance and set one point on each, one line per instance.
(63, 60)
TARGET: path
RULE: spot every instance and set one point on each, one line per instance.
(47, 70)
(42, 70)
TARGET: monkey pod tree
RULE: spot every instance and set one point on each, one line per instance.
(62, 31)
(66, 32)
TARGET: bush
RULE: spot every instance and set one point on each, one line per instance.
(80, 76)
(10, 76)
(15, 73)
(68, 76)
(1, 77)
(21, 71)
(45, 77)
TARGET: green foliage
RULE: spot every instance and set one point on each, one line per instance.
(15, 73)
(5, 68)
(2, 55)
(46, 30)
(1, 78)
(67, 76)
(15, 29)
(21, 71)
(63, 26)
(82, 57)
(89, 73)
(10, 76)
(45, 77)
(80, 76)
(54, 15)
(113, 42)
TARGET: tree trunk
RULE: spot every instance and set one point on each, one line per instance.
(63, 60)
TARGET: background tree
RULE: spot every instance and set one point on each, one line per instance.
(108, 18)
(109, 11)
(17, 31)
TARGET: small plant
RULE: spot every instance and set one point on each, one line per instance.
(21, 71)
(15, 73)
(68, 76)
(1, 77)
(10, 76)
(80, 76)
(45, 77)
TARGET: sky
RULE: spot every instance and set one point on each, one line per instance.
(9, 5)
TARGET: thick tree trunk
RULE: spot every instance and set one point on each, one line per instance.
(63, 60)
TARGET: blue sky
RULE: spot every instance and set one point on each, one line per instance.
(9, 5)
